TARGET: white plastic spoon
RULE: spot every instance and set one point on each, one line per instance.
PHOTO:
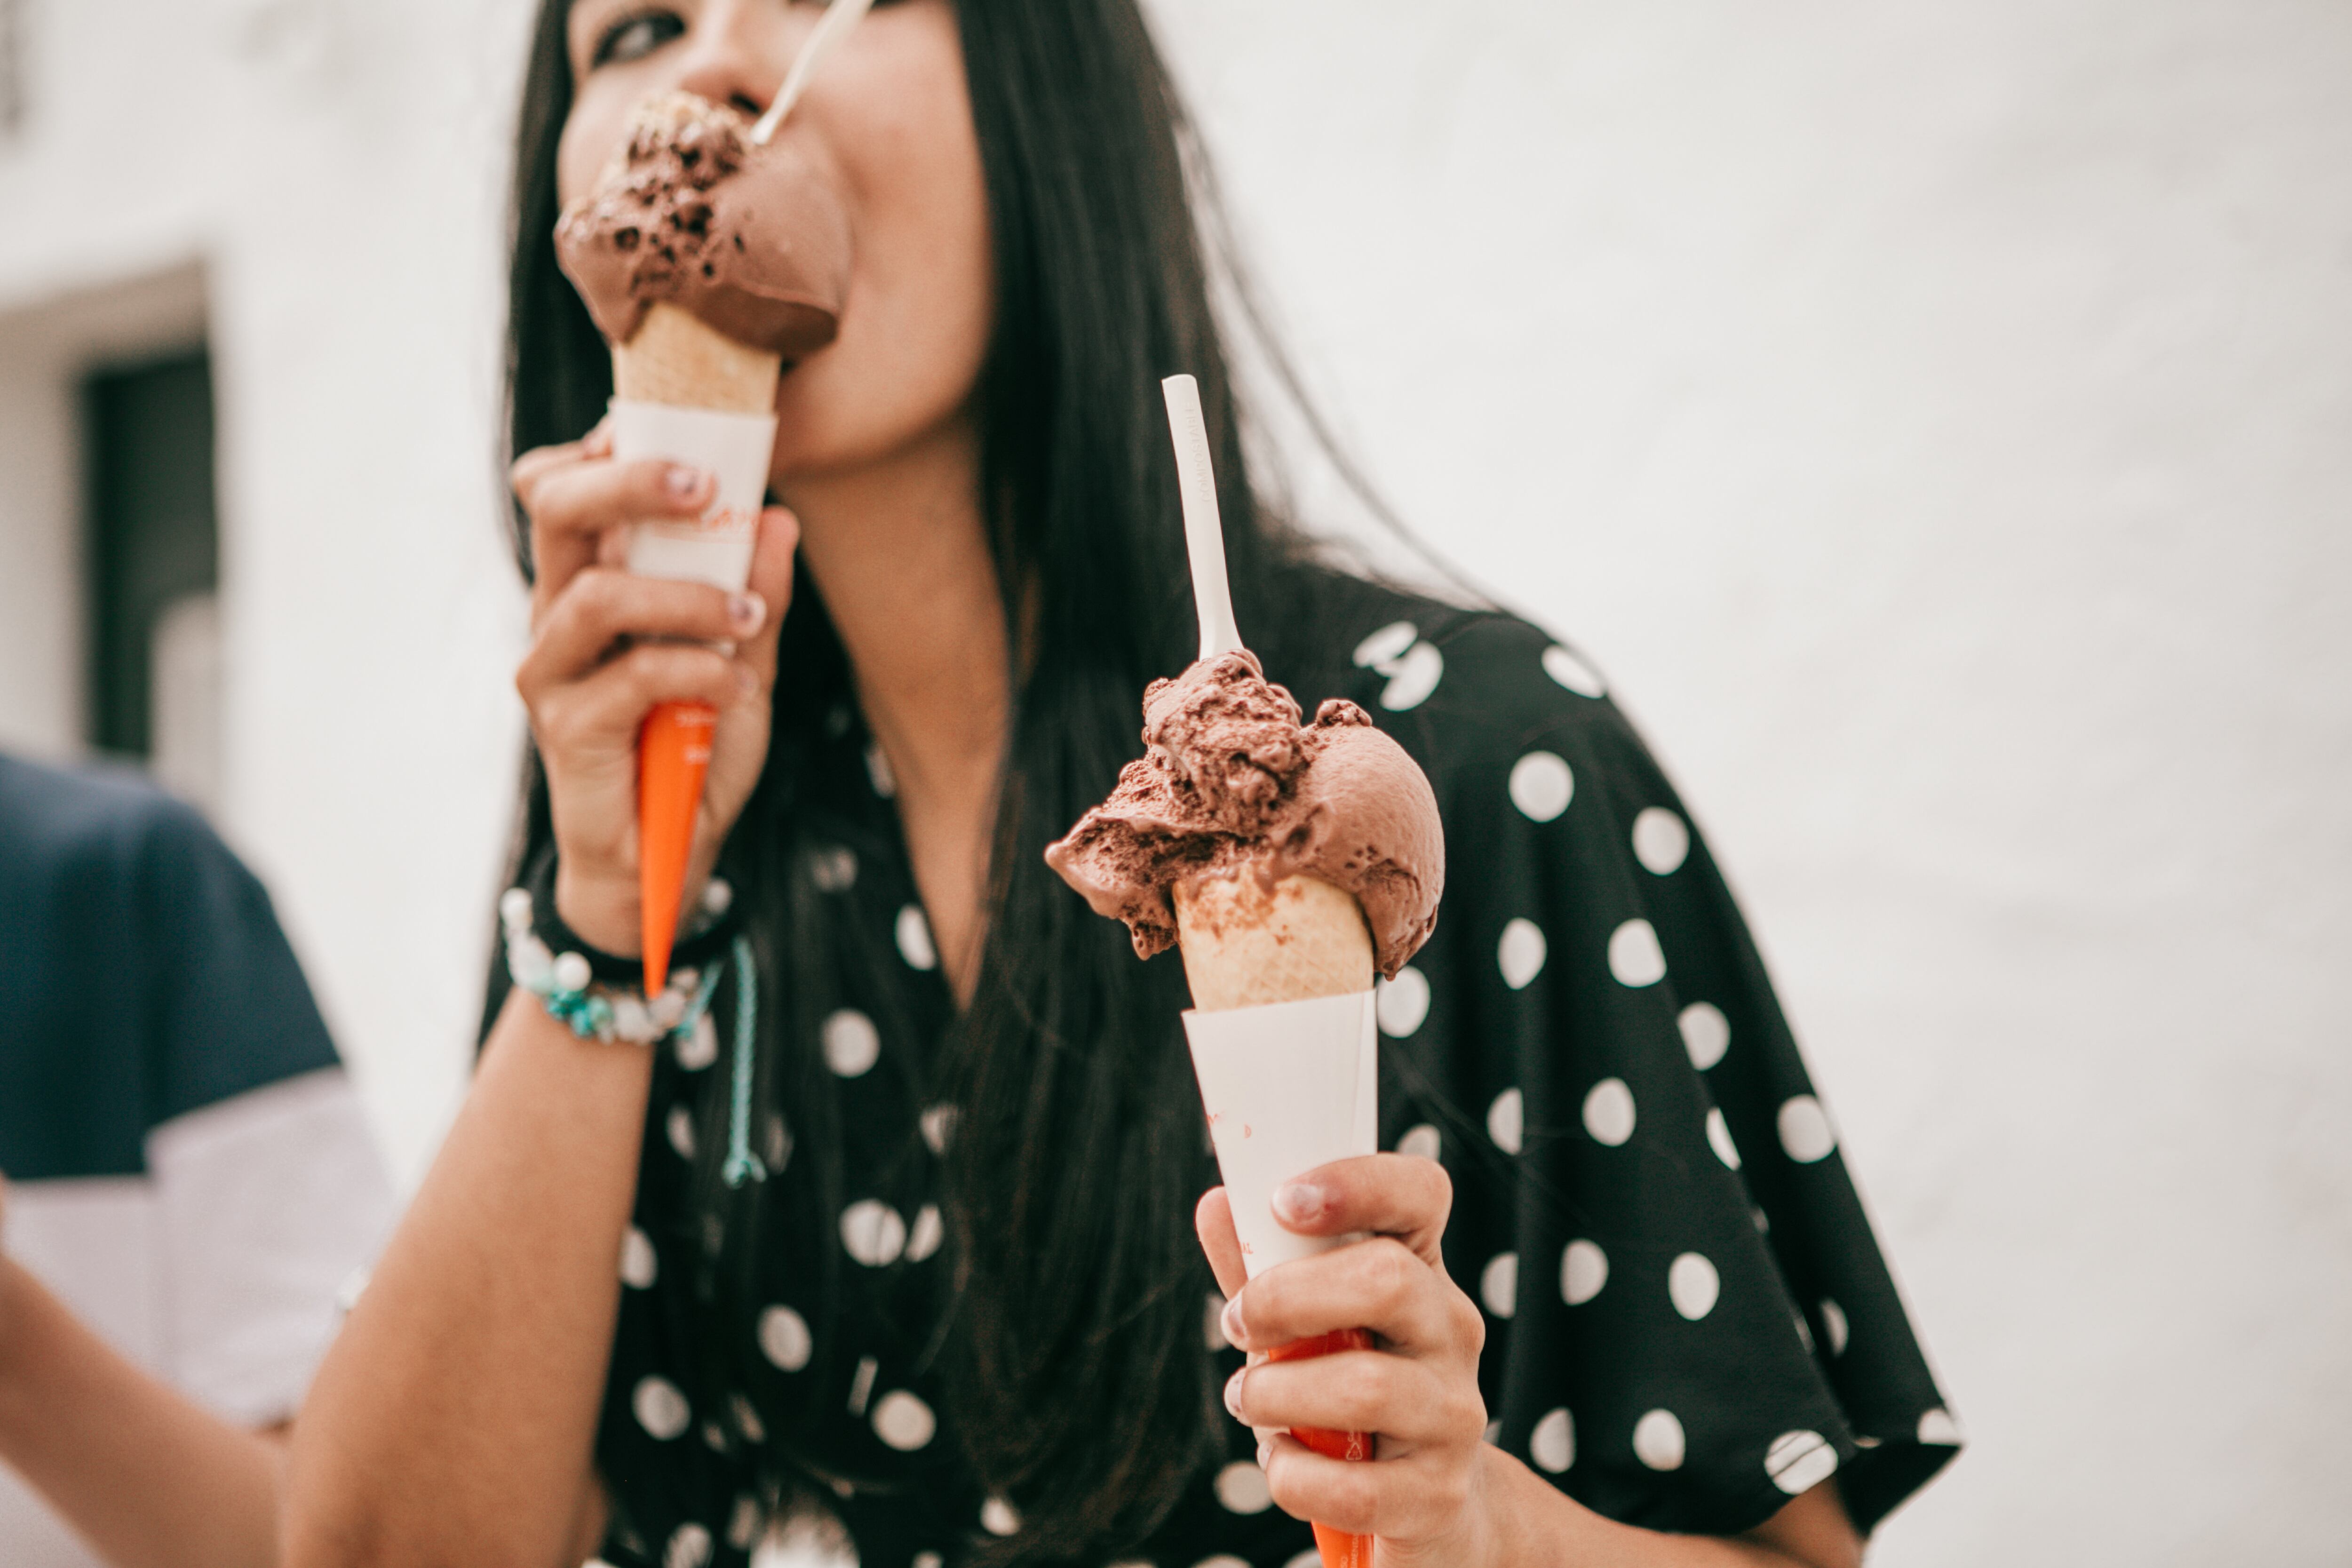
(839, 17)
(1204, 533)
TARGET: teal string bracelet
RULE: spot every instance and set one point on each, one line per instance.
(742, 1166)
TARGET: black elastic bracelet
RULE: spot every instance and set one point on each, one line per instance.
(696, 947)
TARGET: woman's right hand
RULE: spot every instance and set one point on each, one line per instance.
(594, 673)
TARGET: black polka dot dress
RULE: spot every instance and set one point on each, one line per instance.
(1689, 1322)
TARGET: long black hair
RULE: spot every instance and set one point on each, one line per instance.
(1072, 1356)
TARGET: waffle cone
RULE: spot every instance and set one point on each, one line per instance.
(675, 359)
(1247, 944)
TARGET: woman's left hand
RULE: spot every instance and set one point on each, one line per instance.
(1417, 1388)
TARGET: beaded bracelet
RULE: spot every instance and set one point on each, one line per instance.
(593, 1009)
(703, 933)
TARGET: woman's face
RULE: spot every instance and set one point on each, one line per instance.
(888, 118)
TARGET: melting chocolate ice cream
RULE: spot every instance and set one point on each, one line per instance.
(1233, 784)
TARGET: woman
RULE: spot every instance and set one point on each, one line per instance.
(958, 1300)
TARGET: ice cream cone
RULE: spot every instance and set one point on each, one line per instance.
(1247, 944)
(676, 358)
(675, 361)
(1250, 945)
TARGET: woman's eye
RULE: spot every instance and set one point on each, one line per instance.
(634, 37)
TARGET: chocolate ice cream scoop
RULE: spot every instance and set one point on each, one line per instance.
(751, 241)
(1233, 784)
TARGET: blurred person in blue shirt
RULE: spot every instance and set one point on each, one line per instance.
(191, 1182)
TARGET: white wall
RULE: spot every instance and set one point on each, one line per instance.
(1937, 418)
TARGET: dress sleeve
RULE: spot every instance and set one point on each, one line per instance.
(1689, 1318)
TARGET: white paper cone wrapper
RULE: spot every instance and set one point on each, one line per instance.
(715, 548)
(1287, 1087)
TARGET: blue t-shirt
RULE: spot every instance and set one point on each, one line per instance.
(189, 1169)
(143, 973)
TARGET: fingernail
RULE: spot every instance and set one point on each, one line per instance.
(1234, 1393)
(746, 612)
(683, 482)
(1264, 1451)
(1298, 1203)
(1231, 1321)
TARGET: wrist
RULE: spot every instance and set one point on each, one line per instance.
(606, 910)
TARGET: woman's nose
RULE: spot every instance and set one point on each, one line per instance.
(740, 49)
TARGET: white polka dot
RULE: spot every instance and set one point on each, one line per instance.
(903, 1421)
(833, 869)
(851, 1043)
(1833, 1325)
(915, 939)
(937, 1122)
(747, 1419)
(1412, 678)
(1541, 786)
(689, 1547)
(1706, 1034)
(661, 1409)
(1552, 1445)
(1385, 644)
(1420, 1142)
(1635, 956)
(927, 1233)
(640, 1265)
(1939, 1428)
(1212, 1323)
(877, 769)
(1660, 841)
(743, 1524)
(1804, 1331)
(1402, 1004)
(699, 1046)
(1226, 1560)
(1498, 1284)
(780, 1144)
(999, 1518)
(1692, 1284)
(1572, 672)
(1609, 1113)
(1718, 1138)
(1310, 1558)
(784, 1338)
(1506, 1121)
(1805, 1130)
(1583, 1270)
(1800, 1461)
(1520, 954)
(874, 1232)
(929, 1560)
(1241, 1488)
(1658, 1440)
(679, 1125)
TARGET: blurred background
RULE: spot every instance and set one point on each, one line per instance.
(1937, 419)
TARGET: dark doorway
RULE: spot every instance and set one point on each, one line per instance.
(152, 535)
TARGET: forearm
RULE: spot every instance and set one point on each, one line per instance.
(454, 1416)
(1530, 1523)
(145, 1475)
